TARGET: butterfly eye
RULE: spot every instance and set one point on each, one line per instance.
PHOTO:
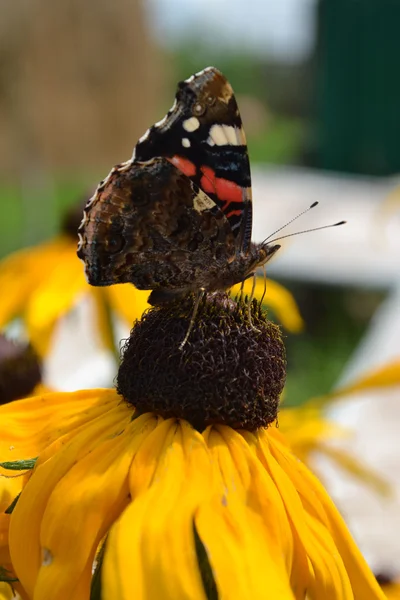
(210, 100)
(115, 244)
(199, 109)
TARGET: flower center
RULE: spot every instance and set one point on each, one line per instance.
(230, 371)
(20, 370)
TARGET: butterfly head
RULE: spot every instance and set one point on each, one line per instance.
(266, 252)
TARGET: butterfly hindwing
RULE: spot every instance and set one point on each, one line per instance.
(202, 135)
(149, 224)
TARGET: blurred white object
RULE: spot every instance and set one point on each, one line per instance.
(71, 366)
(361, 252)
(374, 417)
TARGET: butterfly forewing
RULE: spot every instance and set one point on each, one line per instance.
(203, 136)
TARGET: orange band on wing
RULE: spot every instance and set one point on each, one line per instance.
(233, 212)
(184, 165)
(207, 182)
(226, 191)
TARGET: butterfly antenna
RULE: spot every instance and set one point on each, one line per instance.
(308, 230)
(313, 205)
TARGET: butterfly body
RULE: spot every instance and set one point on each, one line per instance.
(177, 217)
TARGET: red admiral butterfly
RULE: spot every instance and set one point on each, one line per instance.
(177, 217)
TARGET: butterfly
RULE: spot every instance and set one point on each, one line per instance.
(177, 217)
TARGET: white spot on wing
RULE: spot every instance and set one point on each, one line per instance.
(191, 124)
(202, 202)
(231, 134)
(186, 142)
(223, 135)
(80, 241)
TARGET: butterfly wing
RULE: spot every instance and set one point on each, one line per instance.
(202, 135)
(150, 225)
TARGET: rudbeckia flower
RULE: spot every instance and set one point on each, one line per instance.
(176, 485)
(45, 282)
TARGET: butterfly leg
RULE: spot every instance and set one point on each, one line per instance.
(249, 301)
(241, 291)
(265, 285)
(199, 296)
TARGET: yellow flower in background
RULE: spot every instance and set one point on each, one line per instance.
(390, 205)
(45, 282)
(385, 376)
(308, 430)
(177, 506)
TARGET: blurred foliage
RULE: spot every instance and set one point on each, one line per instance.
(22, 224)
(280, 144)
(336, 319)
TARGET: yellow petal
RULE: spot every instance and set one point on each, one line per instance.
(357, 469)
(88, 514)
(385, 376)
(278, 298)
(329, 576)
(28, 426)
(127, 301)
(390, 205)
(176, 482)
(151, 551)
(305, 427)
(252, 549)
(320, 509)
(307, 431)
(42, 548)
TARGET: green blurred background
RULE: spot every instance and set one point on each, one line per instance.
(317, 83)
